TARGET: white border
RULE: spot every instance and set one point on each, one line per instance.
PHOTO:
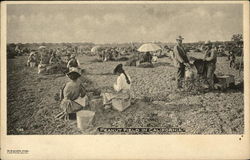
(129, 146)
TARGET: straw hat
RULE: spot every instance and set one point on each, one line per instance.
(179, 38)
(74, 71)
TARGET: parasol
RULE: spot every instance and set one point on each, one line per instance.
(95, 49)
(41, 47)
(148, 47)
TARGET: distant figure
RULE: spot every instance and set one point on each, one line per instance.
(211, 58)
(54, 59)
(18, 50)
(121, 87)
(32, 60)
(148, 57)
(44, 60)
(73, 62)
(180, 61)
(232, 59)
(67, 58)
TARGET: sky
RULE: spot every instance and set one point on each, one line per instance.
(119, 23)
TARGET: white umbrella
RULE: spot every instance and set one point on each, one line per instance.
(41, 47)
(148, 47)
(95, 49)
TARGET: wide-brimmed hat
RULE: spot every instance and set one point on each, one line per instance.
(179, 38)
(74, 71)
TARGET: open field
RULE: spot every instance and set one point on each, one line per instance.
(32, 107)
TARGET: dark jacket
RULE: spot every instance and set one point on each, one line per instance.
(179, 55)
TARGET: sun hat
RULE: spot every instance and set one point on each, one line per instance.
(75, 71)
(179, 38)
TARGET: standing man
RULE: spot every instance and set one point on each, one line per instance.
(180, 60)
(211, 58)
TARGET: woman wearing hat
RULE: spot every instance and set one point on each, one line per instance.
(121, 87)
(72, 95)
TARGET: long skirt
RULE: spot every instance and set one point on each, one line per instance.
(70, 106)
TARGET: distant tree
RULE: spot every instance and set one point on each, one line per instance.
(237, 38)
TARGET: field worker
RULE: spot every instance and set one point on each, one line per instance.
(58, 51)
(17, 50)
(73, 95)
(45, 58)
(73, 62)
(211, 58)
(31, 60)
(54, 59)
(67, 58)
(232, 59)
(121, 87)
(44, 55)
(180, 60)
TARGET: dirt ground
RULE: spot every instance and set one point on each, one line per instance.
(32, 106)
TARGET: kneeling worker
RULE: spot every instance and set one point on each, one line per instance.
(121, 88)
(73, 95)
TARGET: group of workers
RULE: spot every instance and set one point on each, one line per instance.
(73, 93)
(182, 62)
(43, 58)
(73, 90)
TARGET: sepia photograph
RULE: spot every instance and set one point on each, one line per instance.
(125, 69)
(125, 80)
